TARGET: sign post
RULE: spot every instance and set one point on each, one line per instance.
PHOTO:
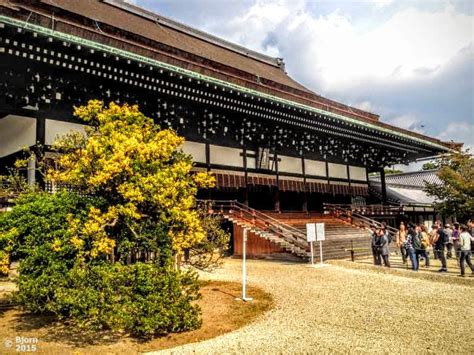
(244, 268)
(311, 237)
(320, 236)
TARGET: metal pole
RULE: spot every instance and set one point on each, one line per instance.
(244, 267)
(312, 254)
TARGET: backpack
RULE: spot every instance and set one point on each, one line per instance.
(417, 244)
(425, 240)
(443, 236)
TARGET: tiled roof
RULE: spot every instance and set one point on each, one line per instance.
(120, 25)
(406, 188)
(410, 180)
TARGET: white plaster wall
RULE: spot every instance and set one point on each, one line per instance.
(290, 164)
(357, 173)
(226, 156)
(196, 150)
(315, 167)
(56, 129)
(15, 133)
(252, 161)
(337, 171)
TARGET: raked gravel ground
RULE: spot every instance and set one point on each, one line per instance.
(340, 310)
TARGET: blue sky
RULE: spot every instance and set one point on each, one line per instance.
(411, 62)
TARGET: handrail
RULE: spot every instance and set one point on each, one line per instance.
(339, 211)
(287, 232)
(276, 221)
(370, 209)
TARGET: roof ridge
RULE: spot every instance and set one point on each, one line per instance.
(205, 36)
(404, 173)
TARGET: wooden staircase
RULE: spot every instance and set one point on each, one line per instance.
(341, 236)
(286, 231)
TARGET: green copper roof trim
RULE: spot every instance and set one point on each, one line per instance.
(88, 43)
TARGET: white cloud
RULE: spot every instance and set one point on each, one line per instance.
(330, 53)
(382, 3)
(459, 132)
(365, 105)
(410, 122)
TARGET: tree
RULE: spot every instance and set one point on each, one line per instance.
(141, 173)
(392, 171)
(101, 255)
(429, 166)
(455, 195)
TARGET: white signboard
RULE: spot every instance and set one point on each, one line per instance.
(320, 232)
(311, 232)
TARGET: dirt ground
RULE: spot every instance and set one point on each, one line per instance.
(348, 307)
(221, 313)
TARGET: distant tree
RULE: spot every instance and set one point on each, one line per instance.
(392, 171)
(429, 166)
(455, 195)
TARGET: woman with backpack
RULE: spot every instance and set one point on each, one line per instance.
(422, 243)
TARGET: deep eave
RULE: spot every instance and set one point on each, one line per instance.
(230, 82)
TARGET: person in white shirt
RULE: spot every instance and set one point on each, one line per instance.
(465, 249)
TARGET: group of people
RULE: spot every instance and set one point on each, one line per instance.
(415, 242)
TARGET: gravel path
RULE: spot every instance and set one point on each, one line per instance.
(339, 310)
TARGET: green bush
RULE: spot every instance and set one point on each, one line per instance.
(143, 299)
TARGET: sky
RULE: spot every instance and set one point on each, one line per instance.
(411, 62)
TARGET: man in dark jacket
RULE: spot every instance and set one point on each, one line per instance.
(382, 247)
(373, 243)
(439, 245)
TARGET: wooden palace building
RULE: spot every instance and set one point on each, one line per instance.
(272, 143)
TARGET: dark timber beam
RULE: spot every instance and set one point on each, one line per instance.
(383, 186)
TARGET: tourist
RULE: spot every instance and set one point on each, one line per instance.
(373, 243)
(424, 242)
(410, 247)
(433, 237)
(465, 240)
(449, 245)
(382, 247)
(470, 225)
(456, 245)
(439, 245)
(401, 239)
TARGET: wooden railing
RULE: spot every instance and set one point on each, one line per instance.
(352, 216)
(256, 219)
(378, 210)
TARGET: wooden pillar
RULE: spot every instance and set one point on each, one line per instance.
(245, 193)
(304, 206)
(383, 186)
(276, 199)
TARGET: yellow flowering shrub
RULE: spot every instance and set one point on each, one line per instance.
(138, 169)
(6, 243)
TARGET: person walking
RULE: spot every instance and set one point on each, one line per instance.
(456, 243)
(449, 236)
(400, 240)
(433, 237)
(383, 247)
(410, 248)
(465, 240)
(424, 242)
(373, 243)
(439, 245)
